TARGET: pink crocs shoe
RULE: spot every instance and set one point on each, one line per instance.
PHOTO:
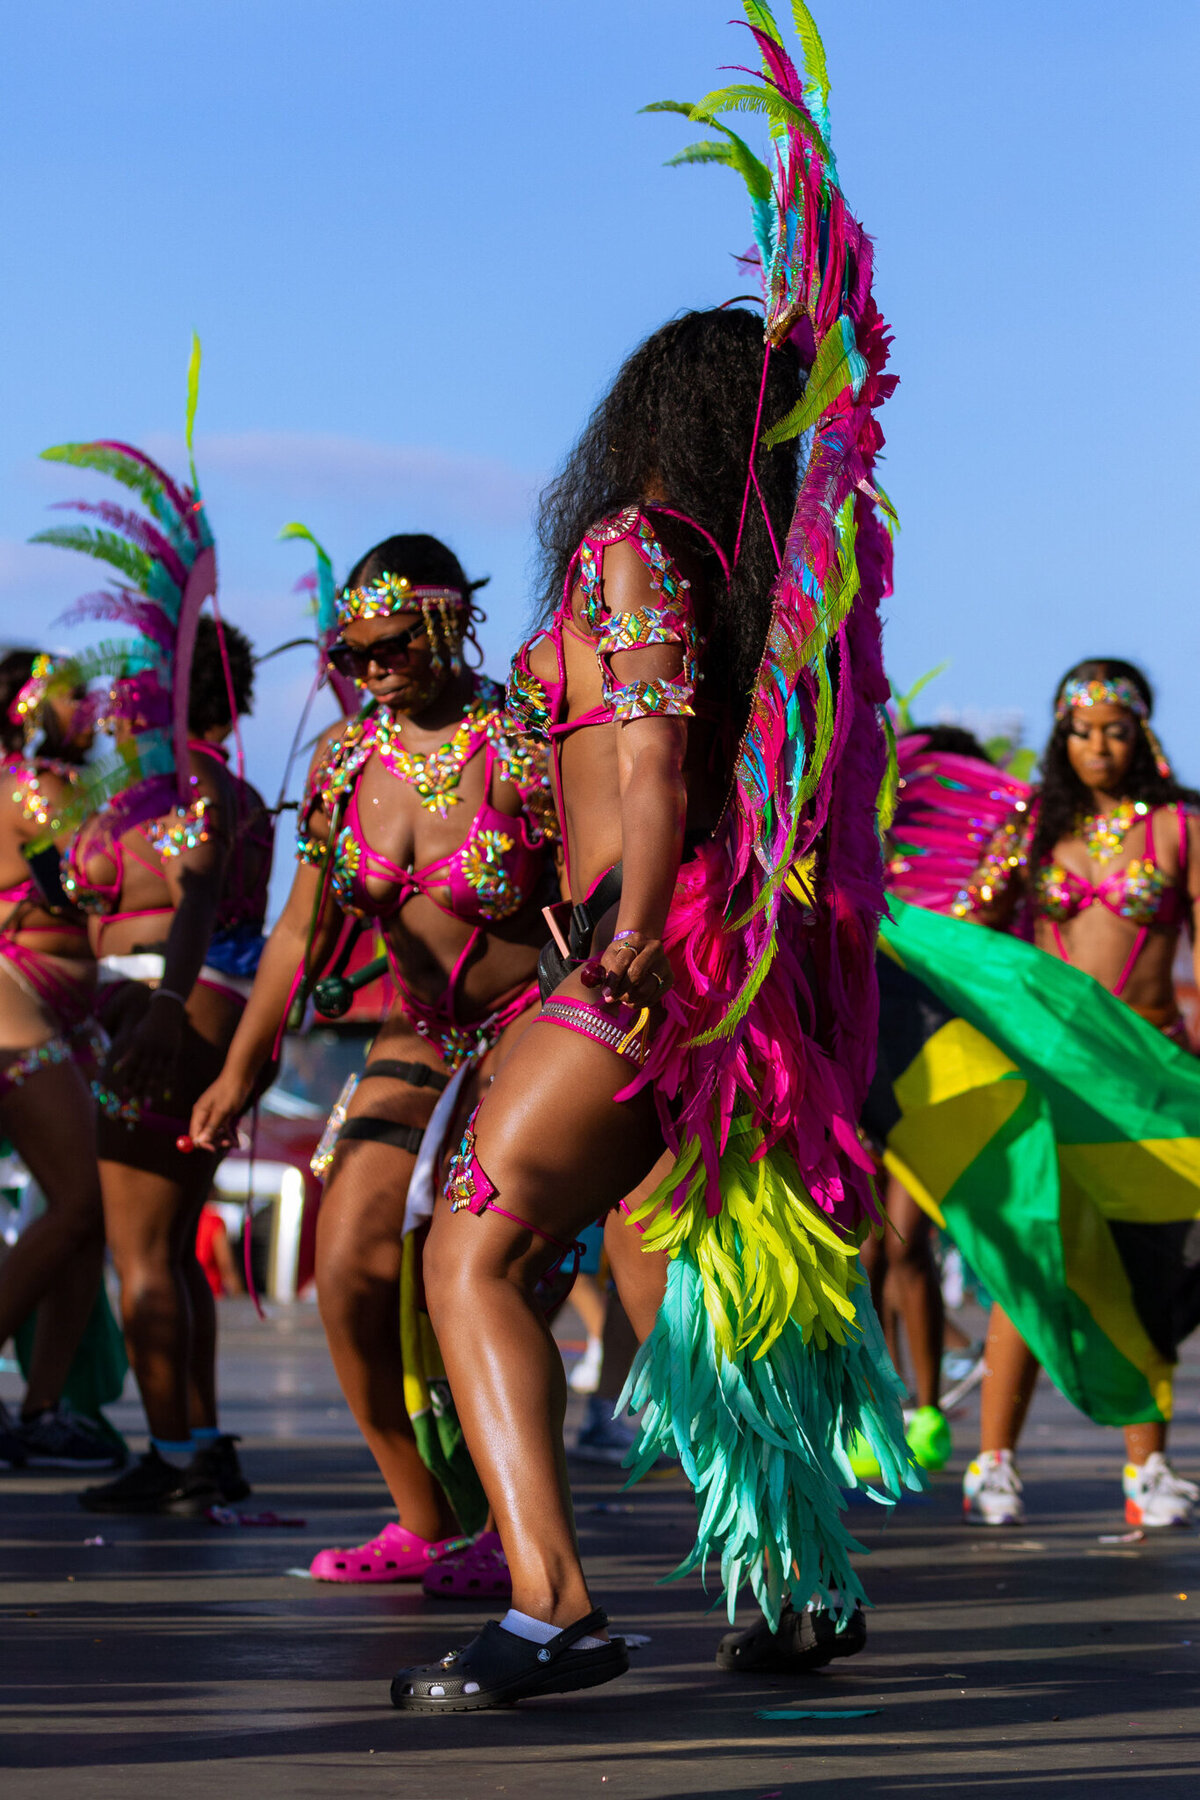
(397, 1554)
(479, 1571)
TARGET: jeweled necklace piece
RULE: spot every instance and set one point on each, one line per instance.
(436, 774)
(1104, 833)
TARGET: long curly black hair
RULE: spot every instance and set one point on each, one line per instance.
(681, 412)
(1063, 797)
(208, 688)
(427, 562)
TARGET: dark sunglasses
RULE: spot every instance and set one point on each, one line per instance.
(385, 653)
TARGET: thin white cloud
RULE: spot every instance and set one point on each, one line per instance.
(314, 466)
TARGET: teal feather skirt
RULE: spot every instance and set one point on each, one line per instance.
(766, 1360)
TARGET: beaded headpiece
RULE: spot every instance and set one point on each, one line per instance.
(1117, 691)
(1114, 691)
(392, 594)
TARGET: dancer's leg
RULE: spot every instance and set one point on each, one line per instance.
(912, 1288)
(358, 1289)
(1142, 1441)
(49, 1120)
(151, 1220)
(202, 1360)
(561, 1152)
(640, 1275)
(62, 1318)
(1008, 1384)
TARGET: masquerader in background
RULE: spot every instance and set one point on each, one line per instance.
(427, 813)
(1037, 1097)
(172, 863)
(52, 1043)
(178, 906)
(905, 1278)
(1105, 863)
(709, 680)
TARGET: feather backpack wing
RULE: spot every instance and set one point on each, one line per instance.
(812, 759)
(948, 809)
(167, 568)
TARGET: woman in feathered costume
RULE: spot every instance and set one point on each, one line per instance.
(426, 814)
(172, 866)
(710, 682)
(51, 1042)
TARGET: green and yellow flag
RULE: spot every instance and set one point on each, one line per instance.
(1056, 1136)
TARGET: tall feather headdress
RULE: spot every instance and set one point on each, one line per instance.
(166, 567)
(323, 588)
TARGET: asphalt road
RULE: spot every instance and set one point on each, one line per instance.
(181, 1659)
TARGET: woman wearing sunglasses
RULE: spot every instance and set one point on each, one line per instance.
(426, 813)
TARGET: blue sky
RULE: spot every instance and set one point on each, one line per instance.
(417, 241)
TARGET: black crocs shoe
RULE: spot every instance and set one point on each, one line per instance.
(850, 1639)
(805, 1640)
(153, 1485)
(218, 1463)
(499, 1667)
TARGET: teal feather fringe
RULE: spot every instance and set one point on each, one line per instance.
(763, 1442)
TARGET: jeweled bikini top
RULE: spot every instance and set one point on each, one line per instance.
(93, 873)
(492, 875)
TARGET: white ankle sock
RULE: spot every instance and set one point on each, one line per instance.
(536, 1631)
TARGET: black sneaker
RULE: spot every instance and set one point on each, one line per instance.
(806, 1640)
(217, 1463)
(12, 1450)
(153, 1485)
(57, 1439)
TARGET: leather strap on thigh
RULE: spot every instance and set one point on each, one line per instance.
(413, 1074)
(366, 1130)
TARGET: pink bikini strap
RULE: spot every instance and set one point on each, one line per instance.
(1130, 961)
(696, 526)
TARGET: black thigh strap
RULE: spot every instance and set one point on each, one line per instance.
(367, 1130)
(415, 1074)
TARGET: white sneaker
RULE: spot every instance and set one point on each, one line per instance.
(992, 1490)
(585, 1376)
(1155, 1495)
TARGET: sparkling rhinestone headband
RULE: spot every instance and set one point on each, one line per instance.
(392, 594)
(1118, 692)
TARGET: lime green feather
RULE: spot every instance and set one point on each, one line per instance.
(761, 17)
(815, 66)
(295, 530)
(889, 787)
(903, 702)
(125, 469)
(763, 100)
(767, 1256)
(133, 563)
(193, 396)
(837, 365)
